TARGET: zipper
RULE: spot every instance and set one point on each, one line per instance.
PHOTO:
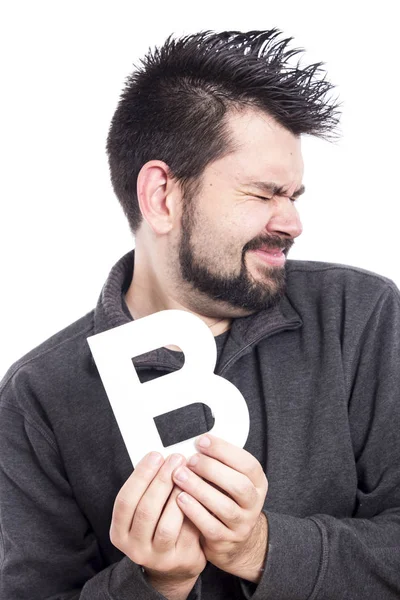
(170, 369)
(261, 337)
(158, 366)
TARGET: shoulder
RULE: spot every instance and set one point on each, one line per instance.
(323, 278)
(331, 294)
(59, 355)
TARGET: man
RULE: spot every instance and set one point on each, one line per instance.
(206, 161)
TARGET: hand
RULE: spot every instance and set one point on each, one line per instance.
(224, 490)
(149, 527)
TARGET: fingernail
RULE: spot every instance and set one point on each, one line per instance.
(182, 474)
(204, 442)
(183, 498)
(175, 460)
(193, 460)
(154, 459)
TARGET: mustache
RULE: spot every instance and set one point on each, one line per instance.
(271, 242)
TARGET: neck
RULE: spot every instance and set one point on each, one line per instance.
(147, 295)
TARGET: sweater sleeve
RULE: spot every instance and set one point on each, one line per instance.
(321, 557)
(47, 548)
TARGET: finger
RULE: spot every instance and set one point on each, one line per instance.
(231, 482)
(237, 458)
(131, 492)
(208, 525)
(169, 525)
(189, 534)
(216, 502)
(151, 504)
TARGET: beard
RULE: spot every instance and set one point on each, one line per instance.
(238, 290)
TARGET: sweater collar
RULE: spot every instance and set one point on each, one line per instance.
(111, 311)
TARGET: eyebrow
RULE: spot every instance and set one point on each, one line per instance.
(270, 187)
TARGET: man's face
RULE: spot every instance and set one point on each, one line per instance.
(235, 232)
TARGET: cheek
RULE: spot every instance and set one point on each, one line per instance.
(252, 220)
(220, 242)
(229, 230)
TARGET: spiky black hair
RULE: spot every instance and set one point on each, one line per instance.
(173, 105)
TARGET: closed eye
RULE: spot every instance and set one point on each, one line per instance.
(261, 197)
(266, 199)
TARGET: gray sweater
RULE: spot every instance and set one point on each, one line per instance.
(321, 376)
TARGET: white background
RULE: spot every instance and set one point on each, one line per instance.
(63, 67)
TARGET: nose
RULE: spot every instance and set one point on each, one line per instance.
(285, 219)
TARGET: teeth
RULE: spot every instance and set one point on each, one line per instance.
(276, 252)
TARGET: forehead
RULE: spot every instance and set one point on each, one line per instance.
(262, 150)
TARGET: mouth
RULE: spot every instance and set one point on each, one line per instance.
(274, 251)
(275, 257)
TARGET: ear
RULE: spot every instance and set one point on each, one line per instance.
(158, 196)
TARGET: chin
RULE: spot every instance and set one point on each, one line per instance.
(266, 276)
